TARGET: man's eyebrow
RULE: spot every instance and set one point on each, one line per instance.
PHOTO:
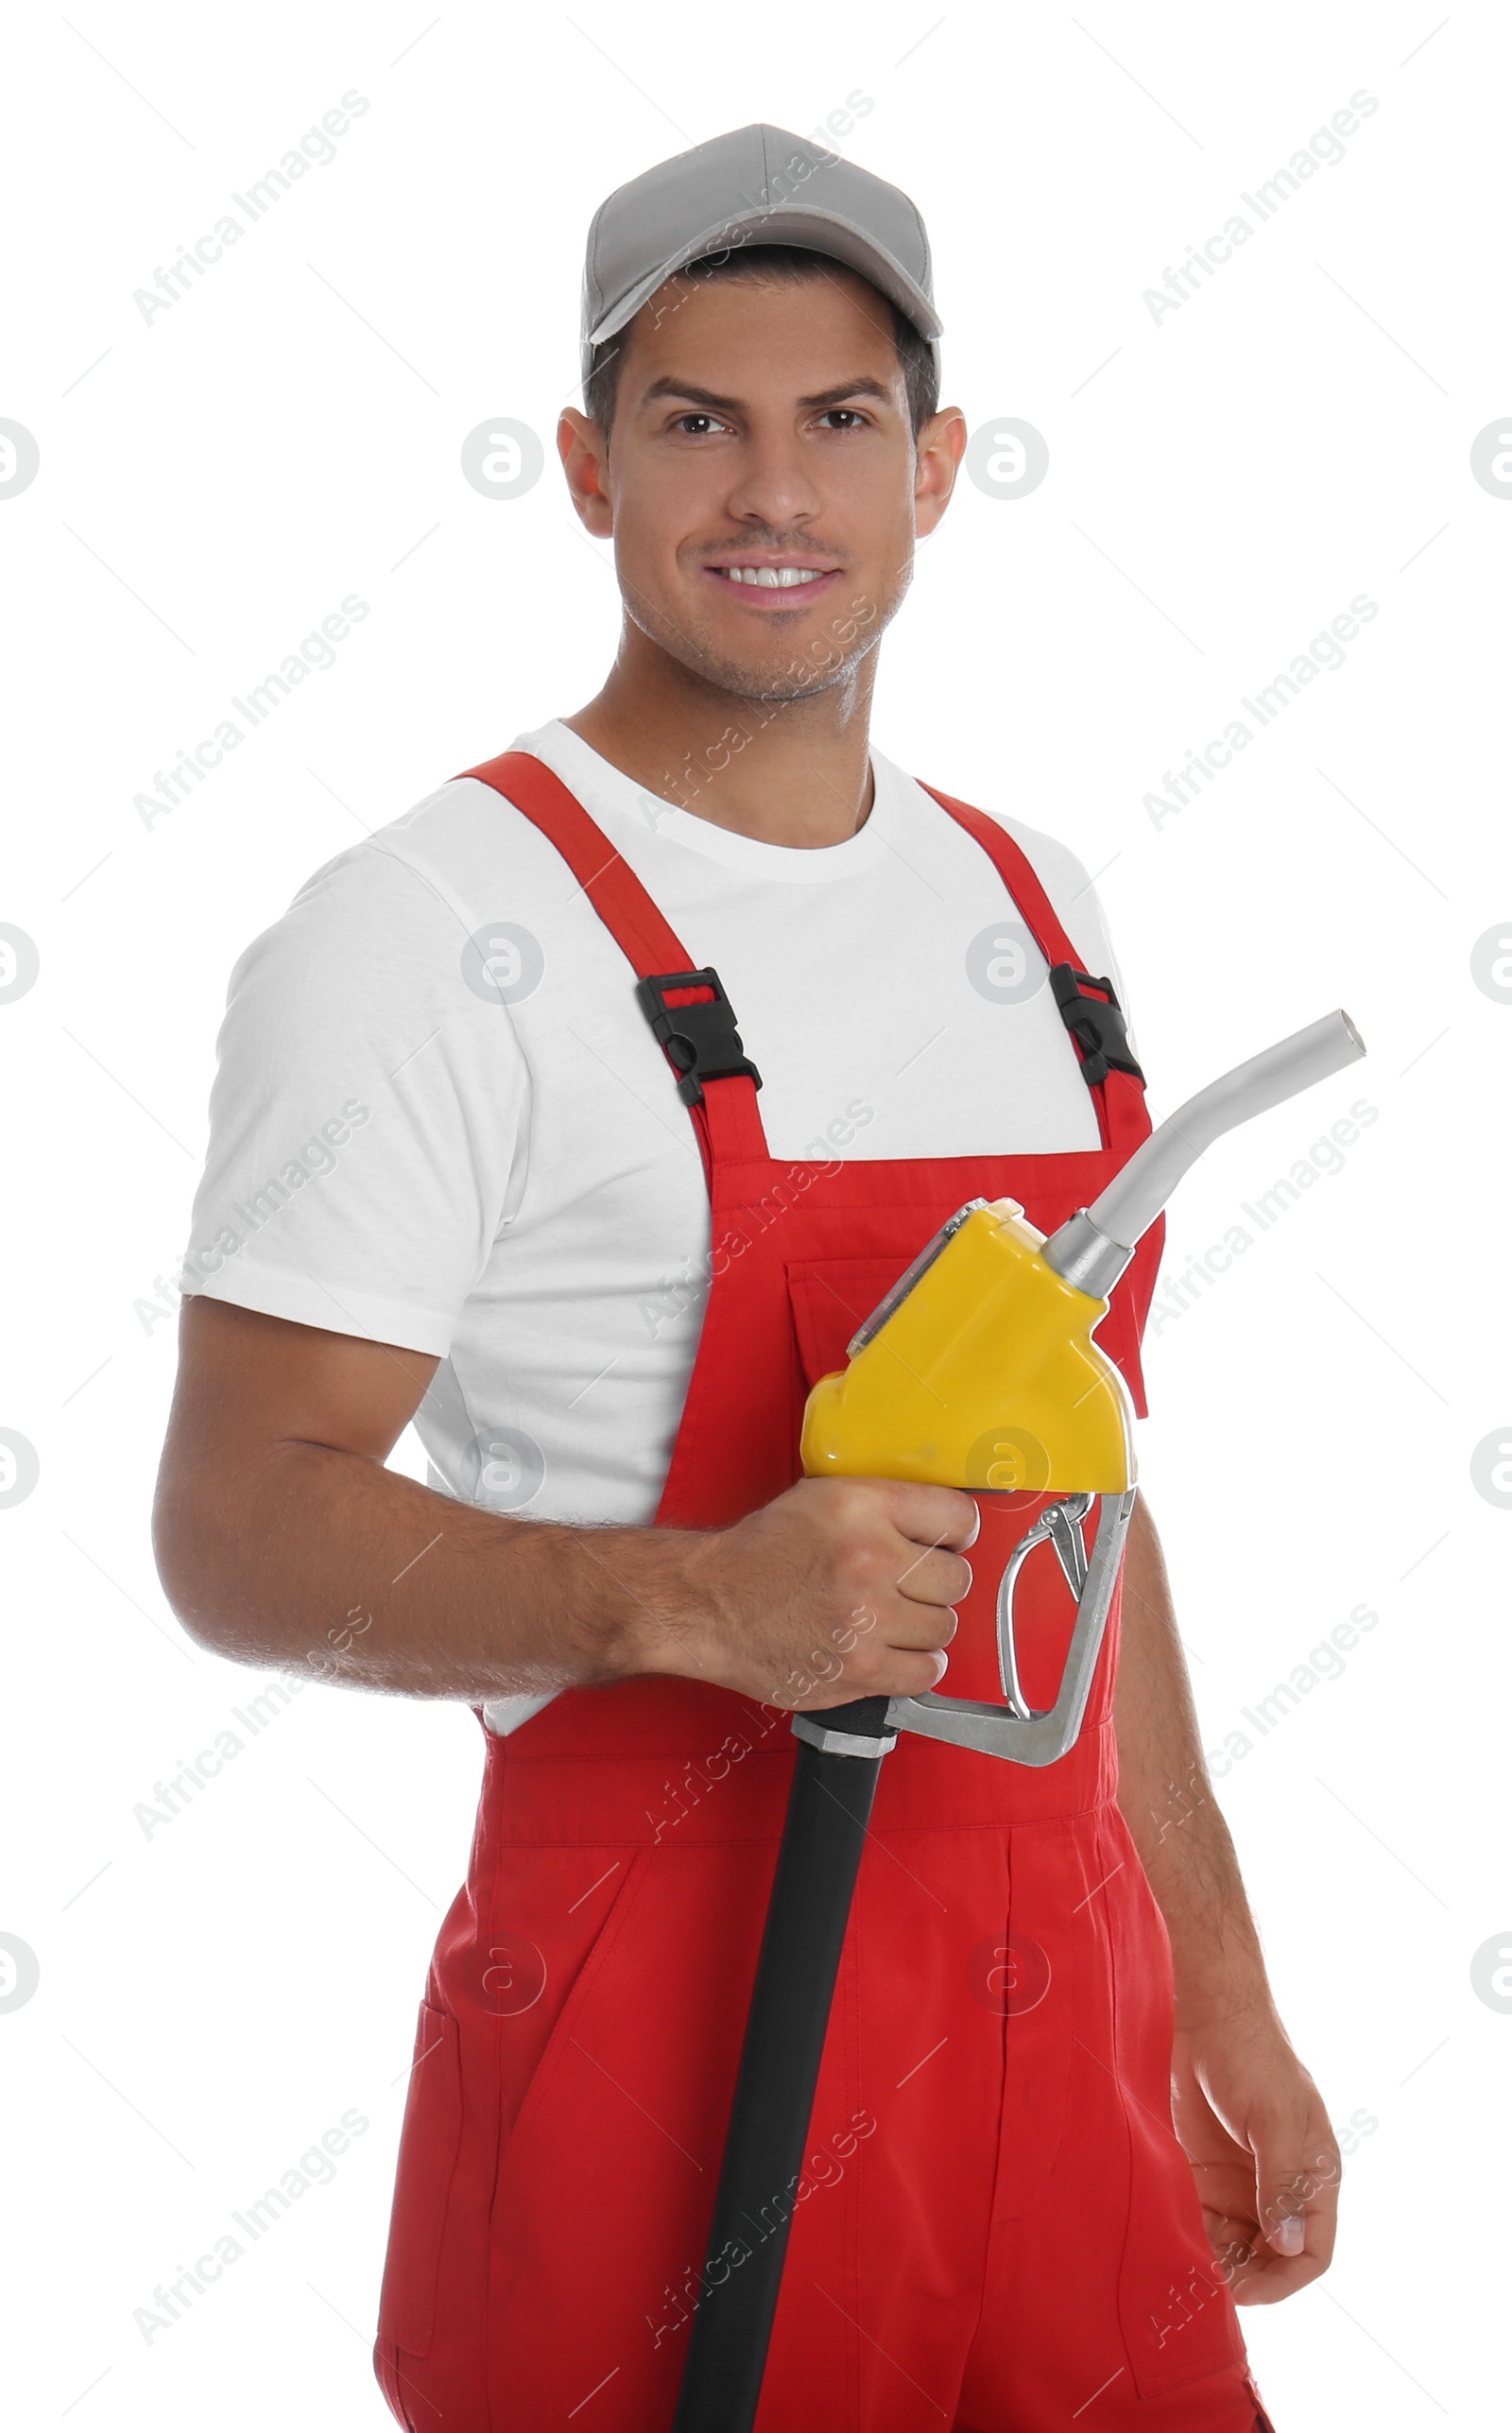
(862, 387)
(828, 398)
(667, 388)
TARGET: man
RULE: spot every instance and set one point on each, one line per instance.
(461, 1172)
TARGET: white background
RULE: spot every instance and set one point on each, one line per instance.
(1220, 484)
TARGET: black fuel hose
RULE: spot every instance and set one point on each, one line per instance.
(828, 1809)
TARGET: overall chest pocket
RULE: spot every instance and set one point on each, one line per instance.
(829, 1298)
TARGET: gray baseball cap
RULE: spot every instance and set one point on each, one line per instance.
(757, 185)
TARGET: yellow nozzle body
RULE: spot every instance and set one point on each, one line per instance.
(985, 1376)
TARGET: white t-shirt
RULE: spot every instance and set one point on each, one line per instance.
(442, 1120)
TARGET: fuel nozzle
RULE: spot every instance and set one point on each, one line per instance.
(980, 1370)
(1091, 1250)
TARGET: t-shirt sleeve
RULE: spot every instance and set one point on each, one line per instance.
(368, 1120)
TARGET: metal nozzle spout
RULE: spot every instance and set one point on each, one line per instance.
(1092, 1249)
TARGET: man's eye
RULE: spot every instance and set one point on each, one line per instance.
(695, 423)
(848, 417)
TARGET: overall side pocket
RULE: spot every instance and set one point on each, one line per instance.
(428, 2148)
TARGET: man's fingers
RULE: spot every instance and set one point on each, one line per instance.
(917, 1622)
(1298, 2207)
(931, 1575)
(909, 1675)
(931, 1516)
(1266, 2279)
(843, 1588)
(1283, 2216)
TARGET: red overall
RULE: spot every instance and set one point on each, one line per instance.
(997, 2227)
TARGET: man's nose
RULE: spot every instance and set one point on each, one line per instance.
(773, 486)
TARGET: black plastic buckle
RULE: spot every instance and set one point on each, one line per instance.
(698, 1034)
(1097, 1026)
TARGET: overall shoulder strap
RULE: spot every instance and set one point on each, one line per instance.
(1116, 1084)
(635, 922)
(715, 1079)
(1018, 875)
(1088, 1006)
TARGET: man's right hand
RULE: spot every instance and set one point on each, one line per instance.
(841, 1588)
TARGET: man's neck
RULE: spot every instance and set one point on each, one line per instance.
(785, 772)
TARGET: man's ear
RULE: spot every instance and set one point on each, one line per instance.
(938, 450)
(584, 451)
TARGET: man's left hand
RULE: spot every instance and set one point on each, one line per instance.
(1264, 2153)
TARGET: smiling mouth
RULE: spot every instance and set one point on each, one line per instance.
(773, 579)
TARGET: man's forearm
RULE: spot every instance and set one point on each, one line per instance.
(283, 1538)
(328, 1562)
(1168, 1803)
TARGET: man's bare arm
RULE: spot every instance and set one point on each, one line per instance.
(282, 1539)
(1167, 1799)
(1261, 2147)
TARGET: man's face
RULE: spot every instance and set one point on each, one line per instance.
(762, 483)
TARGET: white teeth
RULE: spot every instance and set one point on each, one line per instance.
(783, 579)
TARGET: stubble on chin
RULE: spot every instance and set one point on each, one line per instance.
(783, 672)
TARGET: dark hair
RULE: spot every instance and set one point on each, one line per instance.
(789, 263)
